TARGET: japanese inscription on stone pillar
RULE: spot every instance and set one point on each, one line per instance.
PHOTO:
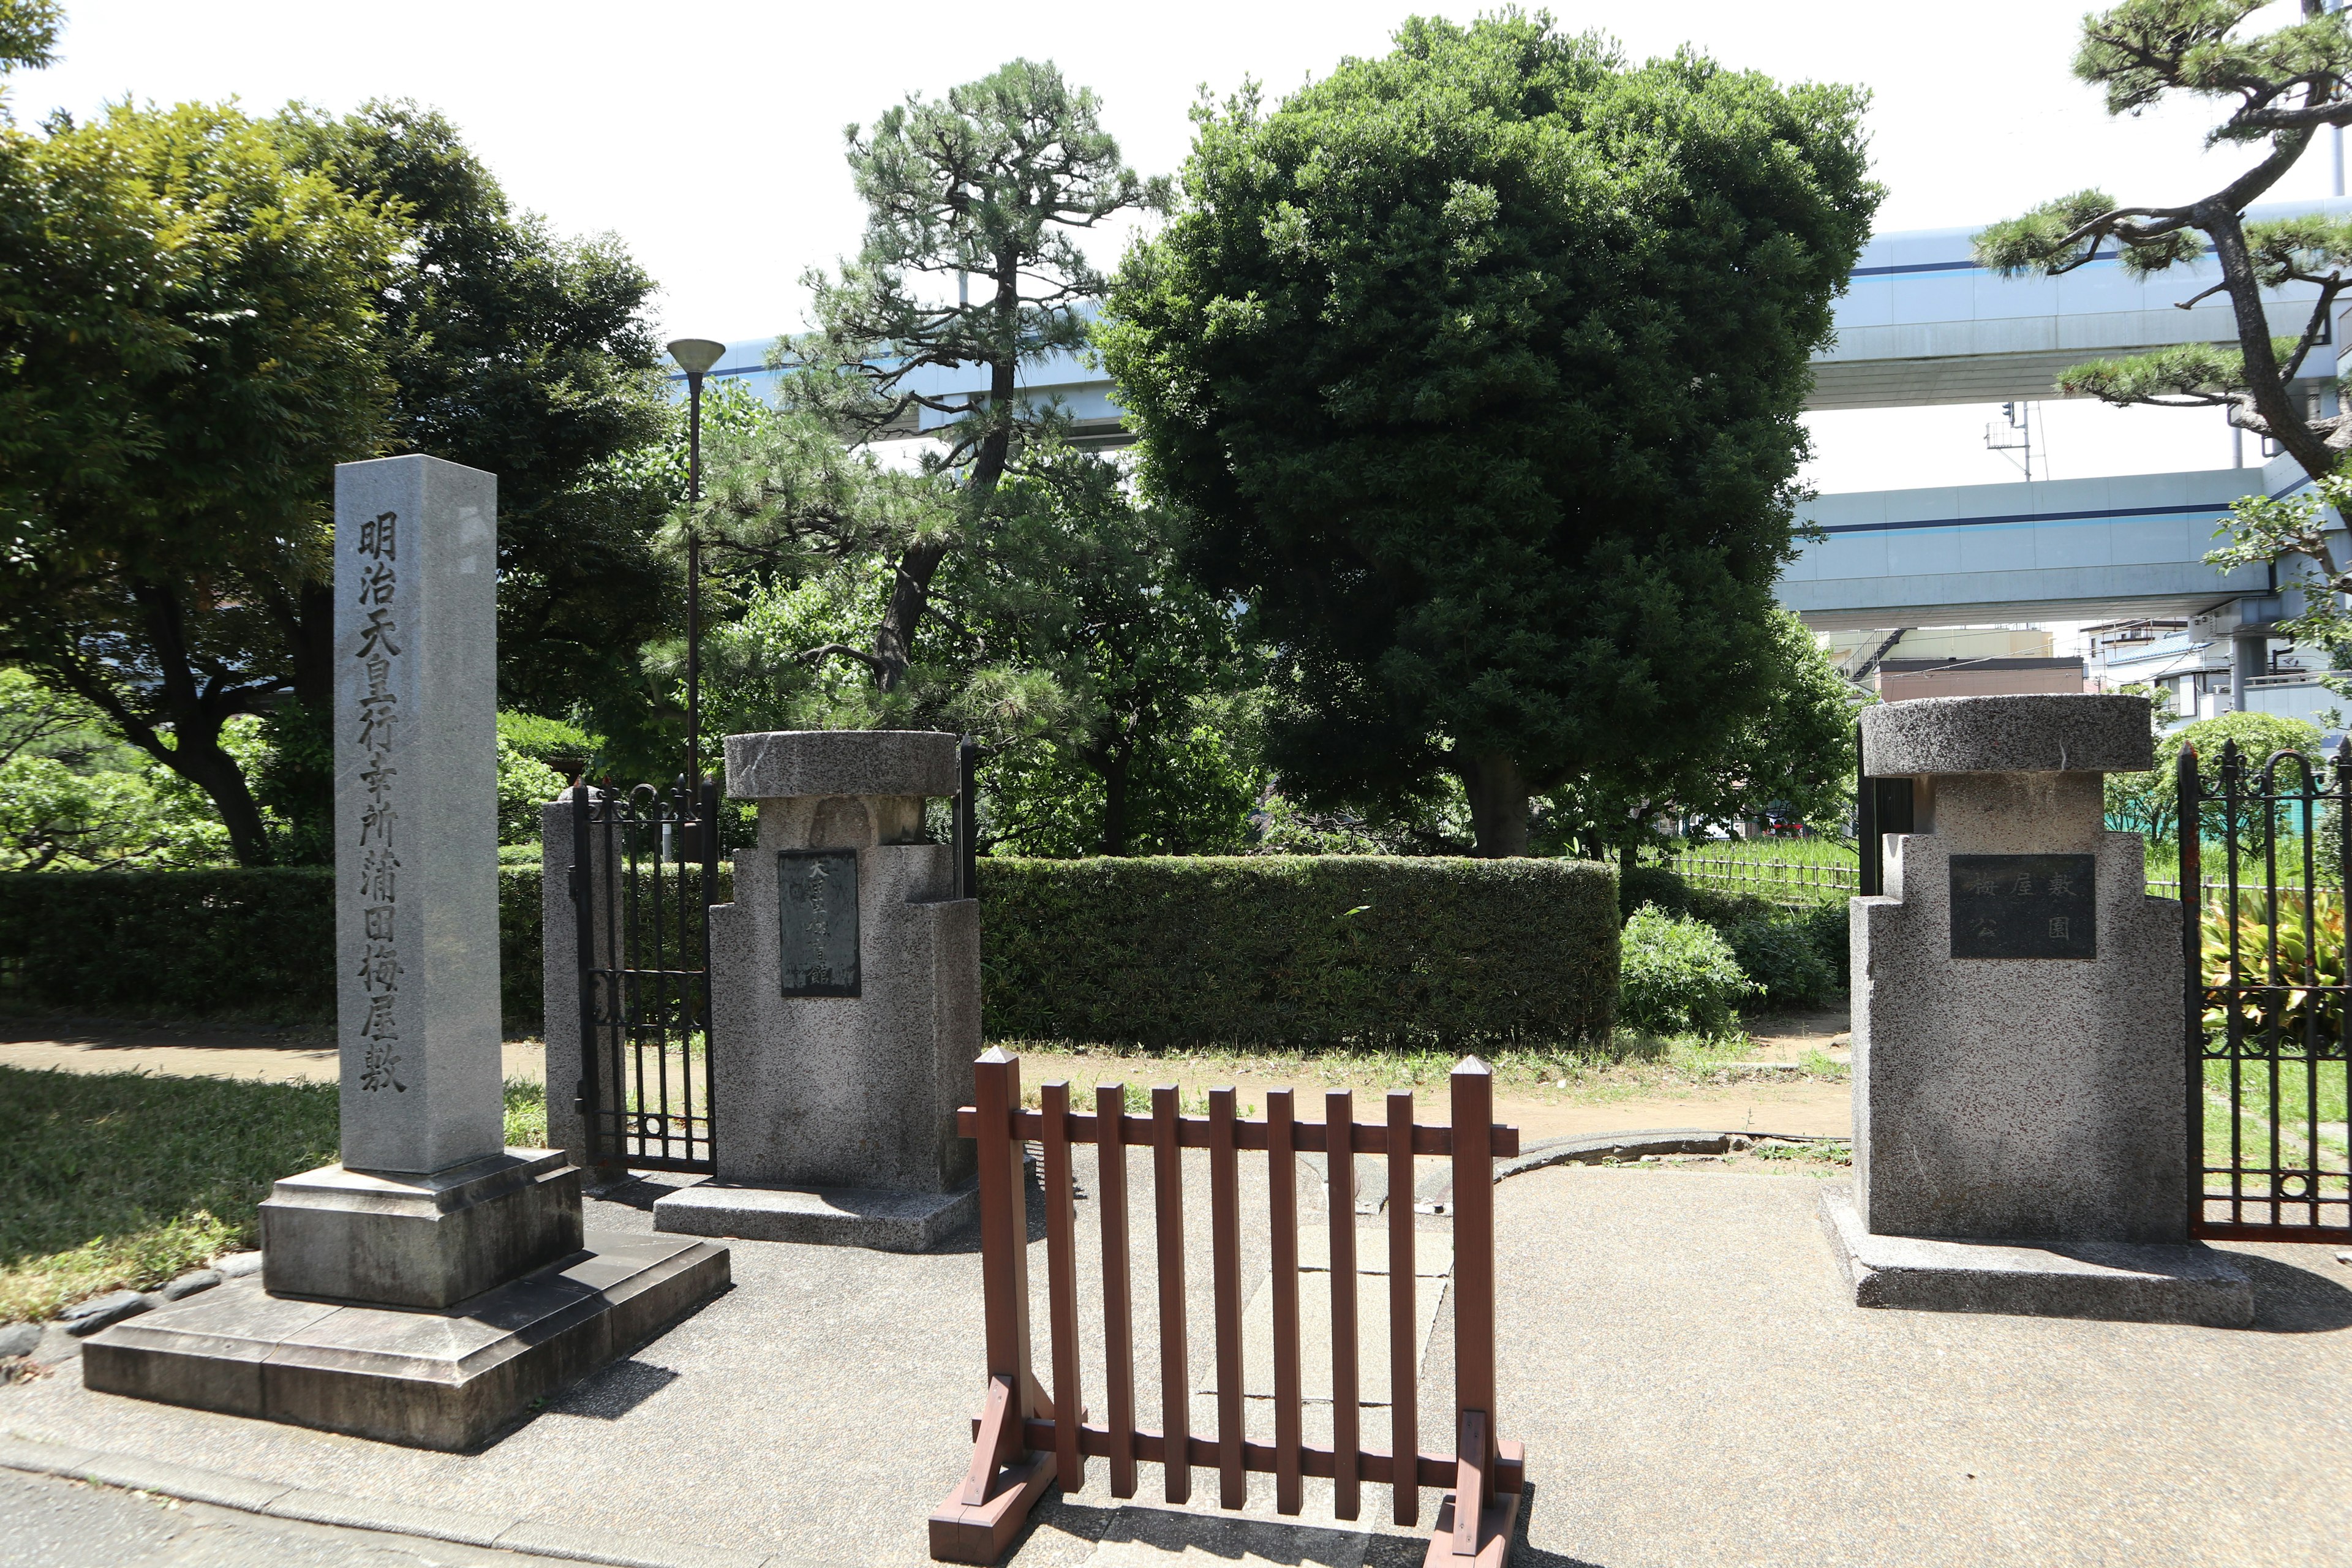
(415, 818)
(2025, 906)
(376, 832)
(817, 921)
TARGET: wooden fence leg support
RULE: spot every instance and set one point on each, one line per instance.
(990, 1505)
(1475, 1524)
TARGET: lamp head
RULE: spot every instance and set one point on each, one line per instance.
(695, 355)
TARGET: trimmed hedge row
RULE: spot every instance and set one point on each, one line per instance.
(1298, 951)
(1308, 950)
(230, 943)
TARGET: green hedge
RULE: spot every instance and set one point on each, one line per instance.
(234, 944)
(1308, 950)
(1304, 951)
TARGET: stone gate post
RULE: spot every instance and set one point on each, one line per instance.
(845, 1001)
(2019, 1073)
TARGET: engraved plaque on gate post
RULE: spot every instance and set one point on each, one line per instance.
(817, 930)
(2025, 906)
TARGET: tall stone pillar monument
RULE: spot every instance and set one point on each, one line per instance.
(430, 1286)
(2019, 1070)
(845, 1001)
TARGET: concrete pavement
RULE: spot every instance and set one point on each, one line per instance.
(1691, 1384)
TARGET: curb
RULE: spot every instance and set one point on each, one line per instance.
(1592, 1149)
(272, 1499)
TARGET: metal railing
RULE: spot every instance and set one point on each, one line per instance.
(1024, 1441)
(1768, 876)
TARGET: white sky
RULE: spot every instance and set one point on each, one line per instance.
(706, 133)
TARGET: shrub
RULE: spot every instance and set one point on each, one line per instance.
(1677, 975)
(236, 943)
(1261, 950)
(1778, 953)
(1305, 952)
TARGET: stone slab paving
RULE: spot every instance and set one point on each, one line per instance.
(1679, 1357)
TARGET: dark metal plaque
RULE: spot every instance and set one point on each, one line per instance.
(2025, 906)
(818, 931)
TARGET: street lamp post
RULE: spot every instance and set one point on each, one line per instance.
(695, 356)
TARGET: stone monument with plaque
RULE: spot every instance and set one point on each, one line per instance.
(844, 994)
(434, 1283)
(2019, 1067)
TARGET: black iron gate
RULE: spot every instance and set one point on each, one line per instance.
(645, 873)
(2265, 939)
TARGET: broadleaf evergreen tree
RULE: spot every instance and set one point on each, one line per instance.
(1478, 368)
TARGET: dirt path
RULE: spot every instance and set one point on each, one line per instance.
(1807, 1106)
(276, 1056)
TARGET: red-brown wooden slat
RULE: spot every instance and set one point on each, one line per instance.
(1339, 1111)
(1061, 1282)
(1192, 1133)
(1473, 1275)
(1118, 1308)
(1315, 1460)
(1225, 1279)
(1175, 1356)
(1404, 1342)
(1282, 1191)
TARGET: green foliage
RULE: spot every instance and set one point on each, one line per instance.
(2142, 50)
(28, 34)
(1781, 955)
(1480, 366)
(1795, 956)
(528, 355)
(2281, 86)
(1793, 756)
(122, 1180)
(989, 186)
(565, 748)
(525, 784)
(186, 349)
(75, 797)
(2149, 802)
(1678, 976)
(1306, 952)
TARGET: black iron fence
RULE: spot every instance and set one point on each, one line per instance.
(2265, 944)
(645, 874)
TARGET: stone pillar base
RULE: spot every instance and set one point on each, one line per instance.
(450, 1379)
(828, 1216)
(2116, 1280)
(388, 1239)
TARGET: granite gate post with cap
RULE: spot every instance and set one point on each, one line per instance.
(2019, 1078)
(430, 1286)
(844, 995)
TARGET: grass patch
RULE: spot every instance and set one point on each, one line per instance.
(116, 1181)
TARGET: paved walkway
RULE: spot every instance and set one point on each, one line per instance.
(1691, 1382)
(46, 1522)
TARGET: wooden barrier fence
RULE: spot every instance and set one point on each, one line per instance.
(1024, 1440)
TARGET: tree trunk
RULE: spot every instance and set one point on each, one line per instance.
(1499, 805)
(1112, 765)
(201, 762)
(2289, 426)
(910, 587)
(910, 593)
